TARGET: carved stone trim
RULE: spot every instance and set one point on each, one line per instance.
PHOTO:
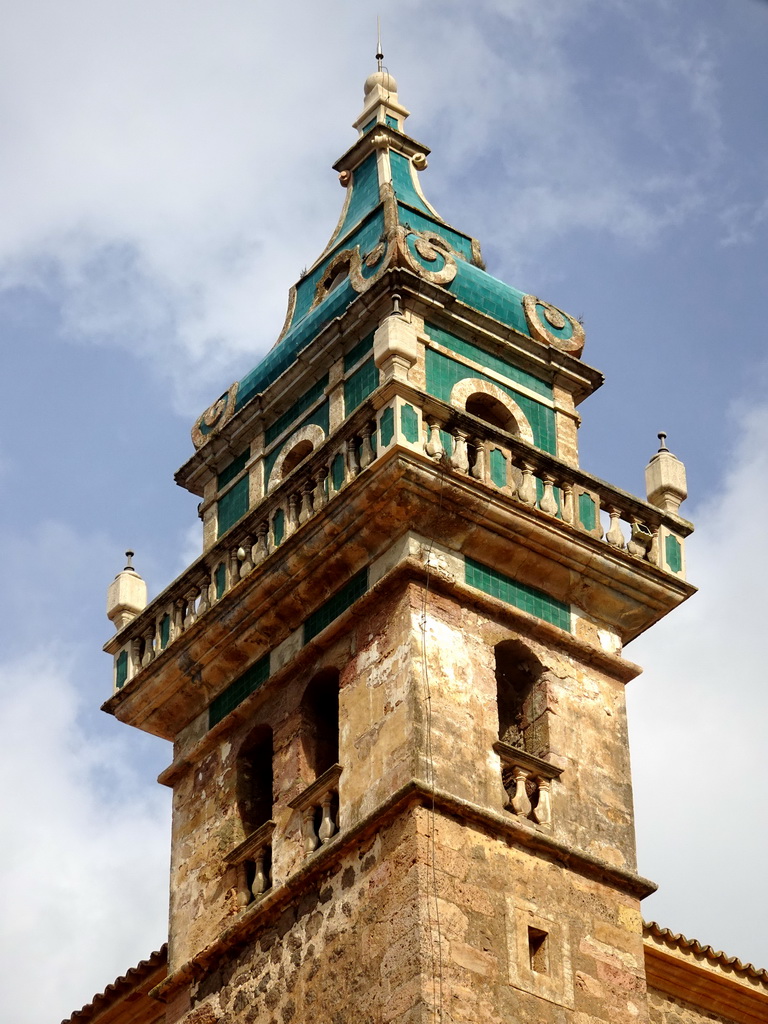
(427, 250)
(464, 389)
(288, 315)
(311, 432)
(553, 318)
(255, 842)
(214, 417)
(510, 754)
(311, 795)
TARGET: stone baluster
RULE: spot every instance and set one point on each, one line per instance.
(459, 458)
(526, 492)
(233, 574)
(261, 547)
(292, 519)
(320, 497)
(134, 657)
(243, 896)
(543, 810)
(205, 594)
(653, 548)
(353, 463)
(614, 536)
(434, 446)
(308, 827)
(567, 510)
(246, 561)
(149, 647)
(327, 824)
(367, 454)
(190, 614)
(306, 511)
(640, 538)
(519, 801)
(548, 501)
(177, 618)
(261, 881)
(479, 469)
(158, 638)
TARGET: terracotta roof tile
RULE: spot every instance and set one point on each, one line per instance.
(679, 941)
(120, 985)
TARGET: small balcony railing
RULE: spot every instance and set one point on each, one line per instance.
(319, 809)
(527, 781)
(253, 860)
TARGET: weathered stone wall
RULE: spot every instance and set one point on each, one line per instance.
(665, 1009)
(489, 895)
(348, 950)
(376, 715)
(360, 945)
(418, 701)
(585, 713)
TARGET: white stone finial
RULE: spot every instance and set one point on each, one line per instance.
(381, 80)
(126, 596)
(380, 102)
(395, 343)
(665, 480)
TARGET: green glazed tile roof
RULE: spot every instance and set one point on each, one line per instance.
(283, 355)
(479, 289)
(363, 228)
(402, 183)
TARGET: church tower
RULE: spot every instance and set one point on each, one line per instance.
(394, 677)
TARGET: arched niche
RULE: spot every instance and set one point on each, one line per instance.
(296, 448)
(320, 722)
(255, 781)
(521, 698)
(489, 402)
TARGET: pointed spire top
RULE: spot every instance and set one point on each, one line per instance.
(129, 563)
(387, 86)
(663, 439)
(379, 53)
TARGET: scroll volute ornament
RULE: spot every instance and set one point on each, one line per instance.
(214, 417)
(546, 321)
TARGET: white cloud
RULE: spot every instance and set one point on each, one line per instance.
(697, 722)
(84, 854)
(168, 164)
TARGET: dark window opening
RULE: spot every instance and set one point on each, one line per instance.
(254, 779)
(538, 950)
(320, 722)
(334, 279)
(297, 454)
(521, 700)
(490, 409)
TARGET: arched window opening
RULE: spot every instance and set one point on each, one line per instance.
(296, 455)
(521, 699)
(490, 409)
(255, 780)
(334, 279)
(320, 722)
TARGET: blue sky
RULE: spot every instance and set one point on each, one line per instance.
(165, 176)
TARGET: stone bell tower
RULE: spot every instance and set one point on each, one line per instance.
(394, 677)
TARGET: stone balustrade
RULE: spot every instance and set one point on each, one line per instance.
(461, 444)
(534, 478)
(253, 861)
(319, 809)
(527, 781)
